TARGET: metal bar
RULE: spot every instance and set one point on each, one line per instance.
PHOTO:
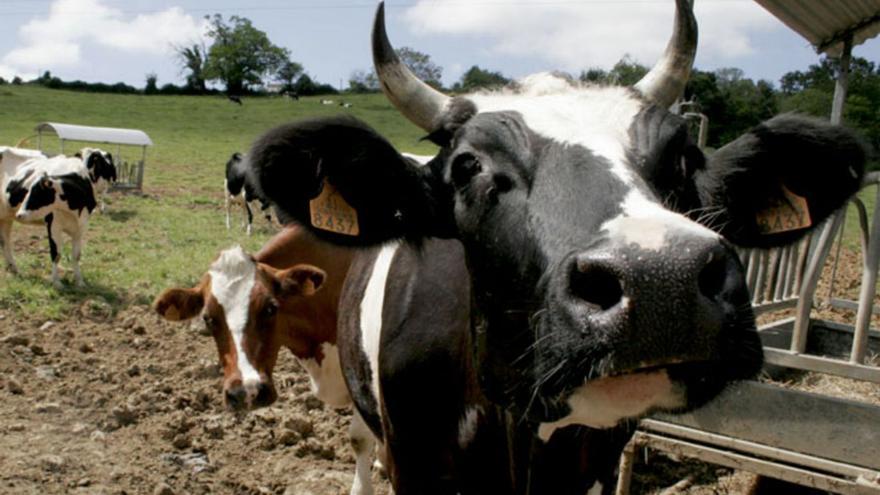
(835, 302)
(758, 296)
(775, 453)
(868, 290)
(775, 305)
(834, 266)
(842, 84)
(811, 279)
(781, 274)
(789, 359)
(625, 469)
(804, 254)
(752, 269)
(766, 468)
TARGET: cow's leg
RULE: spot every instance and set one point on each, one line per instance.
(6, 244)
(250, 216)
(363, 443)
(76, 241)
(54, 231)
(228, 206)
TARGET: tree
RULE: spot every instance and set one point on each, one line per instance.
(594, 75)
(241, 55)
(477, 78)
(362, 81)
(625, 72)
(192, 60)
(151, 88)
(306, 86)
(288, 72)
(421, 65)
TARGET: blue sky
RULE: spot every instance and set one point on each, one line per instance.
(123, 40)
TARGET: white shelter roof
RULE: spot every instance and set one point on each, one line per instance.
(109, 135)
(827, 23)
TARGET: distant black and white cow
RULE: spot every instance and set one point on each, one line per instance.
(55, 192)
(102, 171)
(239, 191)
(593, 279)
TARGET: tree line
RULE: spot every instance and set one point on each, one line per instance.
(241, 59)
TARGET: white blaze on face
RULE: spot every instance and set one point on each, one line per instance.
(604, 402)
(232, 279)
(371, 311)
(326, 378)
(595, 117)
(648, 225)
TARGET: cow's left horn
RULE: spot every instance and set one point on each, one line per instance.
(666, 81)
(417, 101)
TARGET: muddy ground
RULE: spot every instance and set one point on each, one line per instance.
(129, 403)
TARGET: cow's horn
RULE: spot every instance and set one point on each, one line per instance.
(666, 81)
(417, 101)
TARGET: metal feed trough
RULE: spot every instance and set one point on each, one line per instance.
(130, 173)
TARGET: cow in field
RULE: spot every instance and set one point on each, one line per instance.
(239, 191)
(56, 192)
(587, 277)
(102, 171)
(253, 306)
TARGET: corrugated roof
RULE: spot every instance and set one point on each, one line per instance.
(826, 23)
(109, 135)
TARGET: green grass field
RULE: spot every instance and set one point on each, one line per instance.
(169, 235)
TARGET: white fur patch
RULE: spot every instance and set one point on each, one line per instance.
(326, 378)
(604, 402)
(232, 280)
(467, 425)
(596, 489)
(595, 117)
(648, 225)
(371, 311)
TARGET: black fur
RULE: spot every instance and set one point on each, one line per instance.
(77, 192)
(15, 190)
(42, 193)
(812, 158)
(393, 196)
(53, 246)
(100, 167)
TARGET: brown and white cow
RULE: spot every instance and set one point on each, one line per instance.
(588, 276)
(255, 305)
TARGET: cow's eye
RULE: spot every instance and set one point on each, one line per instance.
(464, 167)
(270, 310)
(210, 321)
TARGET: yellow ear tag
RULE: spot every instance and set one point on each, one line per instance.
(329, 211)
(790, 212)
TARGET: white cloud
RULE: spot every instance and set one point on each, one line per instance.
(56, 40)
(574, 36)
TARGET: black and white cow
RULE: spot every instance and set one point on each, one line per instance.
(102, 171)
(55, 192)
(239, 191)
(592, 278)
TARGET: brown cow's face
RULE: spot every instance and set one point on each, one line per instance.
(240, 301)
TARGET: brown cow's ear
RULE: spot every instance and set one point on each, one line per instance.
(179, 304)
(301, 280)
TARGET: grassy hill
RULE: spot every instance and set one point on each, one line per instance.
(169, 235)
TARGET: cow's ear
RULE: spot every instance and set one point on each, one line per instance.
(179, 304)
(346, 183)
(300, 280)
(779, 180)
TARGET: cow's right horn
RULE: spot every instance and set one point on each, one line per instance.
(417, 101)
(666, 81)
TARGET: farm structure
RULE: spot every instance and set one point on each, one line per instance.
(801, 437)
(130, 173)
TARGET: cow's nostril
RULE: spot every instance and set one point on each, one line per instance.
(236, 397)
(595, 284)
(264, 395)
(713, 276)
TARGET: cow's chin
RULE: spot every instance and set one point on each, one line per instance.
(605, 402)
(680, 387)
